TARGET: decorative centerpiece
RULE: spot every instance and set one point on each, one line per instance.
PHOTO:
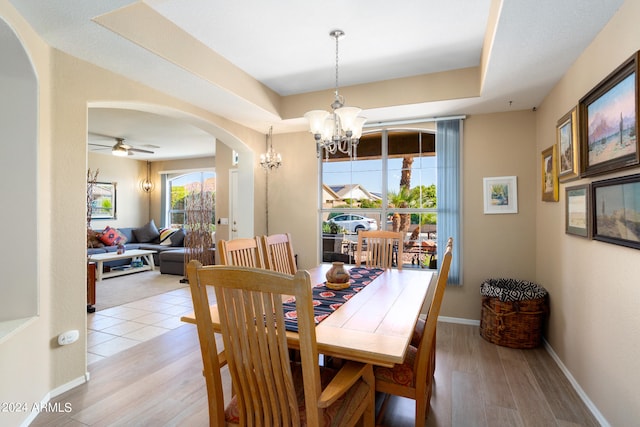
(337, 277)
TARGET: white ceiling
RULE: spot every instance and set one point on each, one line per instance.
(285, 46)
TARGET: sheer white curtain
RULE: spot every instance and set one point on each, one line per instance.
(448, 151)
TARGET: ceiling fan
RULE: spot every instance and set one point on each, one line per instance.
(122, 149)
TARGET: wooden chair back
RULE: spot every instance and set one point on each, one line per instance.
(278, 253)
(252, 321)
(380, 248)
(212, 360)
(241, 252)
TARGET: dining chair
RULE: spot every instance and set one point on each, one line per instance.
(270, 389)
(419, 328)
(212, 360)
(278, 253)
(242, 252)
(380, 248)
(413, 378)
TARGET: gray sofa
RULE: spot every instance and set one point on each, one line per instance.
(146, 237)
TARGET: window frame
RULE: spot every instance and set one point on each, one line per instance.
(384, 211)
(168, 212)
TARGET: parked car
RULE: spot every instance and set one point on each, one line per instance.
(354, 223)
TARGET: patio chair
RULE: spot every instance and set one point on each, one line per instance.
(380, 248)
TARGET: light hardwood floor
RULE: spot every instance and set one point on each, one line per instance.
(159, 383)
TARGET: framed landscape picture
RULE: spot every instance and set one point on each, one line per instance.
(616, 211)
(608, 122)
(500, 195)
(578, 210)
(568, 144)
(549, 173)
(103, 204)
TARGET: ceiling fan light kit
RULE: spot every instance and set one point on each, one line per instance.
(119, 149)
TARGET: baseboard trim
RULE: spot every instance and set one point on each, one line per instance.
(54, 393)
(576, 386)
(458, 320)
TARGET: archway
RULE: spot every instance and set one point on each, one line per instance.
(18, 181)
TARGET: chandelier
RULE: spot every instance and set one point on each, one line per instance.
(340, 129)
(147, 184)
(270, 160)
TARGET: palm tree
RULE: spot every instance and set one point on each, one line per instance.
(405, 188)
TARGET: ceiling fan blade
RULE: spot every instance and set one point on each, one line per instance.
(139, 150)
(100, 145)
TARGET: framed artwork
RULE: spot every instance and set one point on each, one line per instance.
(616, 211)
(103, 204)
(549, 173)
(608, 122)
(578, 210)
(500, 195)
(567, 150)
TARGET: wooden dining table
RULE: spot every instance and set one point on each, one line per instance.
(374, 326)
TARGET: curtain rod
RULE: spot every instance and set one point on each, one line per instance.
(412, 121)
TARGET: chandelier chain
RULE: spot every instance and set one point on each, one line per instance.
(337, 68)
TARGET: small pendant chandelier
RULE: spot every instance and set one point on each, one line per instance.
(147, 184)
(270, 160)
(340, 129)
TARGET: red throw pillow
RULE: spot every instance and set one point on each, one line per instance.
(111, 236)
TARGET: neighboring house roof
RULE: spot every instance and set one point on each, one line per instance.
(352, 191)
(328, 193)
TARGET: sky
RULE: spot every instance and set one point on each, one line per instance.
(368, 173)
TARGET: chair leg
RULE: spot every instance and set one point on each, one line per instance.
(421, 413)
(383, 409)
(423, 406)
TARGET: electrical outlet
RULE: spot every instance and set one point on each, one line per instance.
(68, 337)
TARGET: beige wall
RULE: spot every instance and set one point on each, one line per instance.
(293, 195)
(501, 144)
(132, 204)
(594, 326)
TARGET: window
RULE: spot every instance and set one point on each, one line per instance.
(390, 185)
(181, 188)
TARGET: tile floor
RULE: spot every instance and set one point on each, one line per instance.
(119, 328)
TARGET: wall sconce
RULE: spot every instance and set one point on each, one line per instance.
(147, 184)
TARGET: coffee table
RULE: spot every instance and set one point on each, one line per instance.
(100, 259)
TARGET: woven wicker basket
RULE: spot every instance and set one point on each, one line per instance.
(515, 324)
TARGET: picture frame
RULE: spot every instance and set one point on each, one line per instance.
(103, 203)
(568, 146)
(616, 210)
(500, 195)
(549, 174)
(608, 122)
(578, 210)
